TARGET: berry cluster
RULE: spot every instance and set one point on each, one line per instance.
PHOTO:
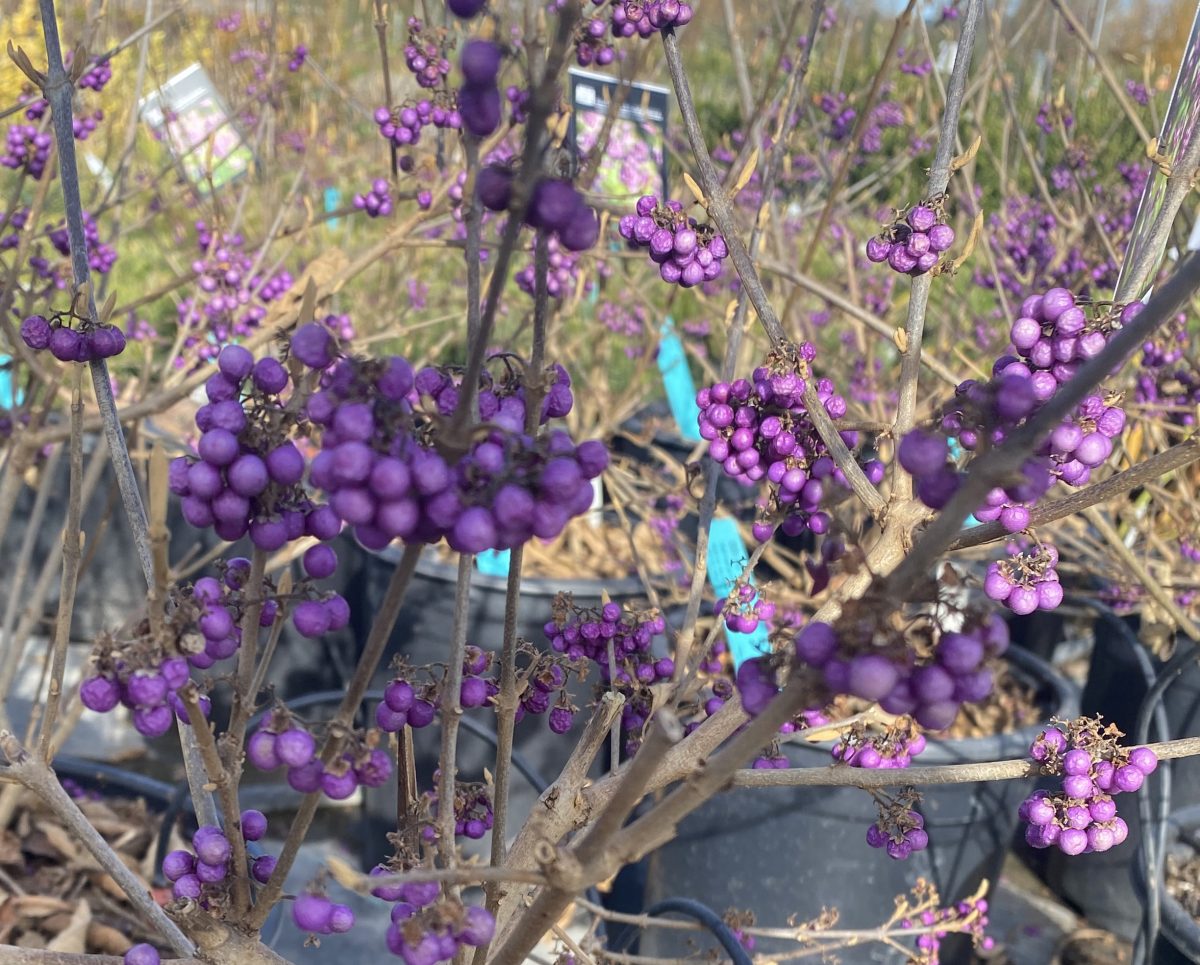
(967, 917)
(377, 202)
(202, 873)
(283, 741)
(555, 207)
(473, 815)
(86, 343)
(85, 124)
(563, 275)
(425, 56)
(900, 830)
(1054, 335)
(1027, 581)
(875, 662)
(380, 464)
(1081, 817)
(222, 605)
(686, 252)
(744, 608)
(299, 55)
(586, 634)
(647, 17)
(26, 147)
(761, 429)
(403, 125)
(406, 705)
(232, 296)
(315, 913)
(891, 746)
(101, 256)
(142, 669)
(97, 75)
(141, 954)
(914, 242)
(591, 47)
(428, 926)
(479, 96)
(246, 476)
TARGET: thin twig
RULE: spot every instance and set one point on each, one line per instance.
(918, 299)
(70, 571)
(451, 709)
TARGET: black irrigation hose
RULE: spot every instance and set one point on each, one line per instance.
(1154, 834)
(709, 919)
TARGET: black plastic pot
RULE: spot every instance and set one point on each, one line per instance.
(786, 853)
(111, 585)
(422, 636)
(1100, 885)
(1179, 933)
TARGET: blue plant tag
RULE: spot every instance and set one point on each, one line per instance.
(956, 450)
(726, 558)
(333, 201)
(677, 380)
(8, 398)
(493, 562)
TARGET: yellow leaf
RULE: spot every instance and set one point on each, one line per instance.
(747, 171)
(693, 187)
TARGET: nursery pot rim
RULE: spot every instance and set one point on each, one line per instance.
(428, 566)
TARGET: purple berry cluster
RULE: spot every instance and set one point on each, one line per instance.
(877, 663)
(377, 202)
(591, 44)
(283, 741)
(101, 256)
(555, 207)
(232, 296)
(473, 815)
(479, 96)
(914, 242)
(744, 608)
(97, 75)
(298, 57)
(245, 478)
(142, 670)
(1026, 581)
(586, 634)
(315, 913)
(403, 125)
(760, 429)
(686, 252)
(425, 54)
(900, 832)
(646, 17)
(1081, 817)
(968, 917)
(25, 147)
(380, 465)
(222, 605)
(203, 872)
(86, 343)
(563, 275)
(428, 926)
(407, 705)
(891, 746)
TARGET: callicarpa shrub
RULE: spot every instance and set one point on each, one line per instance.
(900, 375)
